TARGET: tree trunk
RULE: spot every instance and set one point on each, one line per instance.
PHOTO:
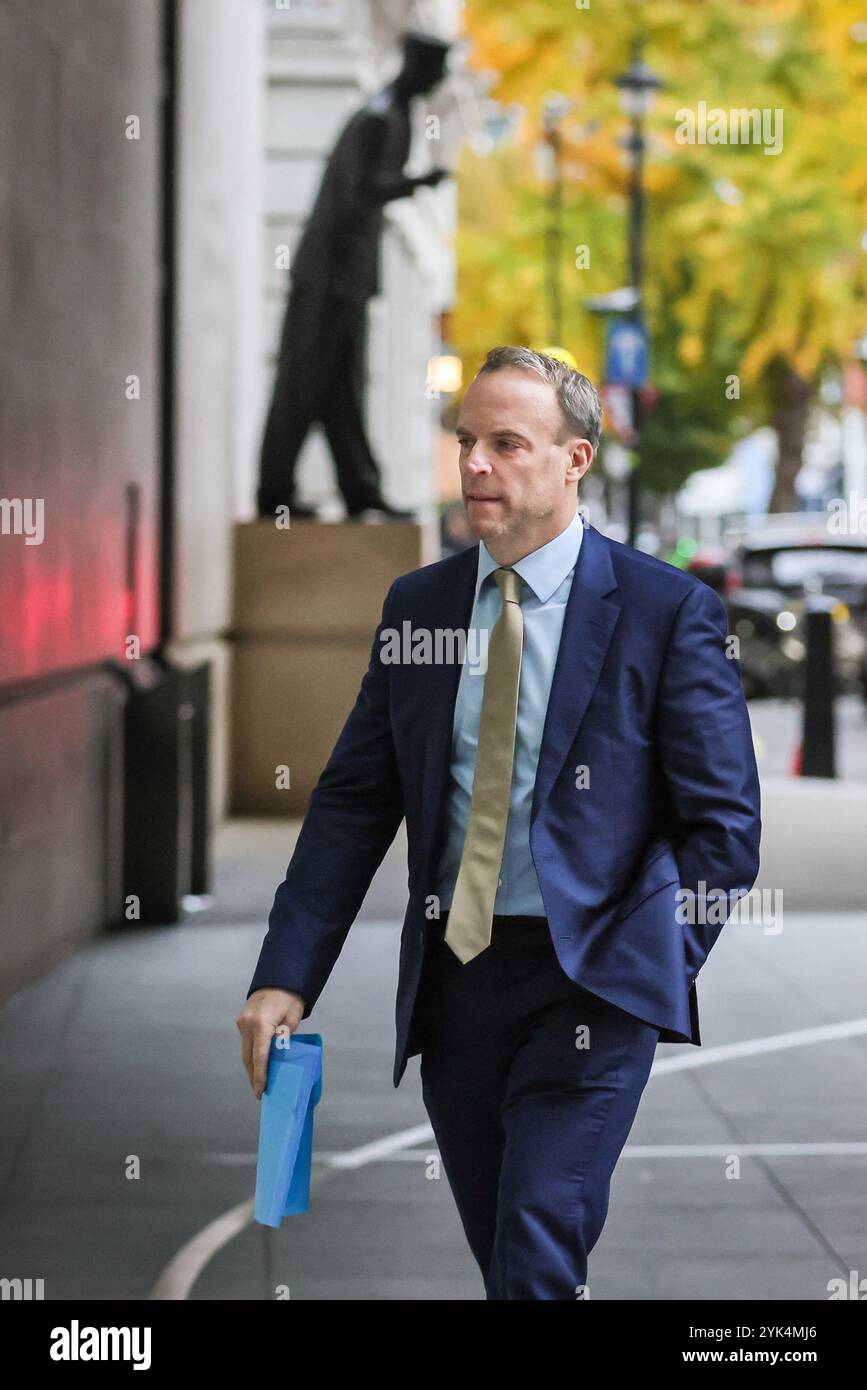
(791, 395)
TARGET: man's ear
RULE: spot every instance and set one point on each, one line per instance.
(581, 459)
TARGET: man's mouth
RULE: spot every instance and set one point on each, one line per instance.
(480, 497)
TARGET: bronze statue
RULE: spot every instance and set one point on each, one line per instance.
(335, 270)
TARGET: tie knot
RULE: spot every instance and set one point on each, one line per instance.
(509, 585)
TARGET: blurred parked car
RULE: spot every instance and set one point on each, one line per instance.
(716, 567)
(779, 568)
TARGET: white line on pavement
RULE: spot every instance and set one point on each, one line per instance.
(755, 1047)
(856, 1149)
(181, 1273)
(382, 1148)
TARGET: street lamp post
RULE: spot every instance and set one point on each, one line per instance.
(637, 87)
(555, 107)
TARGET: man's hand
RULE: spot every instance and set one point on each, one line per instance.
(264, 1012)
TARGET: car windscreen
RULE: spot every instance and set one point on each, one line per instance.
(804, 566)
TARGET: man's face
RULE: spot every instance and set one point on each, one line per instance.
(519, 477)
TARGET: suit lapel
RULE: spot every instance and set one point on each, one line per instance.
(453, 605)
(588, 626)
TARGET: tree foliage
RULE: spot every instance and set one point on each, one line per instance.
(754, 262)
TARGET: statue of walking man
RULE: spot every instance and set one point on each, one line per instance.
(335, 270)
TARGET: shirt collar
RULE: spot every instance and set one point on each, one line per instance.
(544, 569)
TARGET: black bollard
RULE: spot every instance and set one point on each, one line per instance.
(165, 821)
(817, 748)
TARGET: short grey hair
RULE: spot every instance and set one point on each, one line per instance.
(576, 395)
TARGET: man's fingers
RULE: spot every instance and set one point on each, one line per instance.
(257, 1030)
(247, 1051)
(261, 1051)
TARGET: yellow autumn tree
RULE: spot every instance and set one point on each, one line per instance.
(755, 262)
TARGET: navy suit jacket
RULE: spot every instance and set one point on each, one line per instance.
(644, 696)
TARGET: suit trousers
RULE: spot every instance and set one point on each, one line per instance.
(320, 378)
(531, 1084)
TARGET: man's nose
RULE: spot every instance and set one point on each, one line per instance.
(475, 461)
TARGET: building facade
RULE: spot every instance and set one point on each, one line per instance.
(153, 153)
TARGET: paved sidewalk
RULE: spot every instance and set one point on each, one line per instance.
(129, 1049)
(778, 730)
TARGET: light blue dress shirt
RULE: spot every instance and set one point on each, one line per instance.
(546, 579)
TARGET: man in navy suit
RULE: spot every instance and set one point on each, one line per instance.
(567, 791)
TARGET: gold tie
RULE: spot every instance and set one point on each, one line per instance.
(468, 930)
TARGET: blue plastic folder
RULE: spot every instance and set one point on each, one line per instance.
(293, 1089)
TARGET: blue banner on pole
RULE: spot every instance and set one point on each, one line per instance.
(626, 353)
